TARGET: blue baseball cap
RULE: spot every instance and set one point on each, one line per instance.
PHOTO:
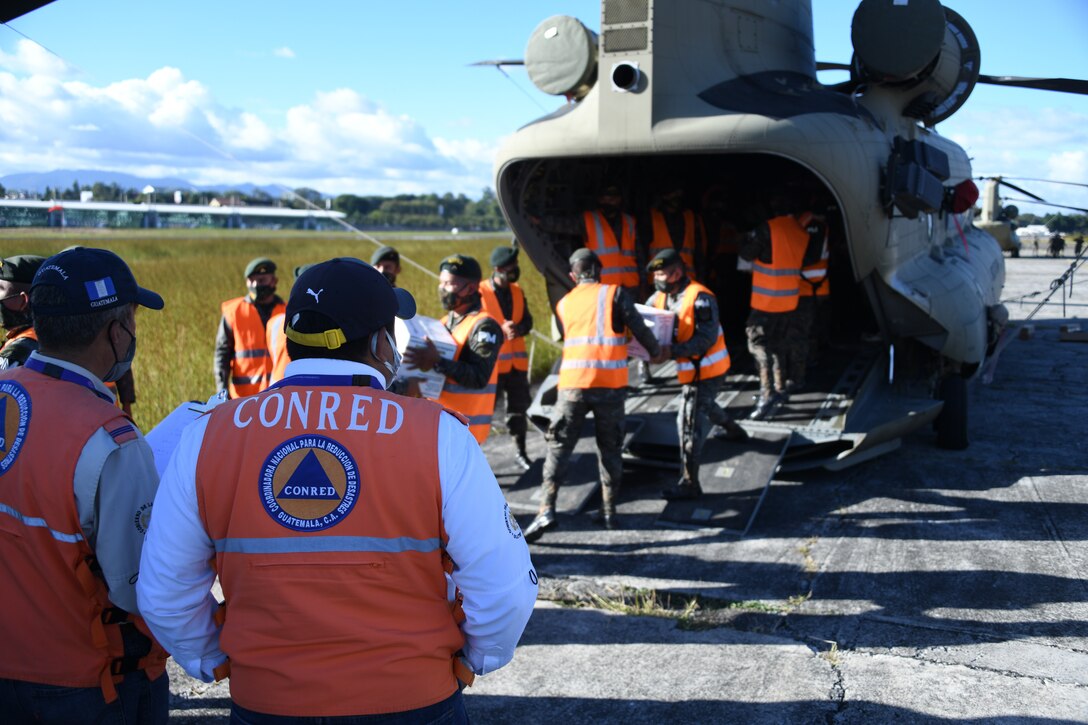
(90, 280)
(354, 296)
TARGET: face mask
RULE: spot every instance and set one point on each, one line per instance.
(391, 278)
(448, 299)
(10, 319)
(509, 276)
(663, 285)
(122, 365)
(394, 366)
(263, 290)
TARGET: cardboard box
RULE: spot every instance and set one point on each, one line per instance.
(661, 322)
(411, 334)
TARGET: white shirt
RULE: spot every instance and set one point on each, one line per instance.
(493, 572)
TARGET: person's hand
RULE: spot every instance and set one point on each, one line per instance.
(509, 330)
(422, 358)
(663, 355)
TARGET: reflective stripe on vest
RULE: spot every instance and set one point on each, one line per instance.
(594, 356)
(339, 606)
(815, 276)
(57, 622)
(663, 240)
(276, 342)
(251, 366)
(512, 353)
(715, 361)
(776, 286)
(618, 261)
(476, 404)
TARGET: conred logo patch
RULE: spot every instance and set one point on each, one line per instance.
(14, 421)
(309, 483)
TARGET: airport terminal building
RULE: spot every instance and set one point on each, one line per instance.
(120, 215)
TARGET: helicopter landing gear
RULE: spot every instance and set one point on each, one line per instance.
(951, 424)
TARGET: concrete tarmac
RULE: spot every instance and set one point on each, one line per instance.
(923, 586)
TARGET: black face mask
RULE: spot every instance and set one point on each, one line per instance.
(11, 320)
(510, 276)
(448, 299)
(390, 278)
(663, 285)
(264, 290)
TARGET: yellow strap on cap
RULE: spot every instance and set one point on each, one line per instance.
(330, 339)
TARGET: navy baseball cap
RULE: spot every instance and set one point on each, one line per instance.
(90, 280)
(354, 296)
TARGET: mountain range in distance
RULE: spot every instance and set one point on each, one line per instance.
(37, 182)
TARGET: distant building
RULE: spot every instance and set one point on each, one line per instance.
(118, 215)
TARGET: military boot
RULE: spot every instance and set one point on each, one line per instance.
(544, 520)
(521, 457)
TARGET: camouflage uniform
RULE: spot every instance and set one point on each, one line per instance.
(606, 404)
(699, 409)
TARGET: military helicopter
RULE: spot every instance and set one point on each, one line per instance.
(999, 221)
(725, 94)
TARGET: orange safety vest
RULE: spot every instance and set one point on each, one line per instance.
(715, 361)
(476, 404)
(251, 366)
(663, 241)
(28, 332)
(594, 355)
(776, 286)
(57, 623)
(325, 508)
(512, 354)
(276, 342)
(814, 276)
(618, 261)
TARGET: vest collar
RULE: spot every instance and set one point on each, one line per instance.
(69, 372)
(309, 368)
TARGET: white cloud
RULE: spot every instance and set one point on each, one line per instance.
(283, 52)
(170, 125)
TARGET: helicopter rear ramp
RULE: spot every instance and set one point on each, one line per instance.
(735, 477)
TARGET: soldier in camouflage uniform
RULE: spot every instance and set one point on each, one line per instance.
(592, 378)
(801, 342)
(702, 361)
(16, 274)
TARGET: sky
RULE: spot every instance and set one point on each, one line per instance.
(369, 97)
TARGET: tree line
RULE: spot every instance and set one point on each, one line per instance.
(404, 211)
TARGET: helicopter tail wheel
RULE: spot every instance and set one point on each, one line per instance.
(951, 424)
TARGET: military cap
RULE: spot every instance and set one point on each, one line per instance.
(664, 258)
(461, 265)
(383, 254)
(503, 256)
(260, 265)
(584, 254)
(20, 269)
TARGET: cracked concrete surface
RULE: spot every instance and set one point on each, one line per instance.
(941, 586)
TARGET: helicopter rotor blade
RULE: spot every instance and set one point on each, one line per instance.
(1022, 191)
(820, 65)
(1050, 203)
(14, 8)
(1047, 181)
(499, 63)
(1062, 85)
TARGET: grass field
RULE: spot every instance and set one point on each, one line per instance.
(195, 270)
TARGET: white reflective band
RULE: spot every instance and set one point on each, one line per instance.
(813, 273)
(301, 544)
(772, 272)
(596, 364)
(776, 292)
(39, 523)
(605, 341)
(705, 362)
